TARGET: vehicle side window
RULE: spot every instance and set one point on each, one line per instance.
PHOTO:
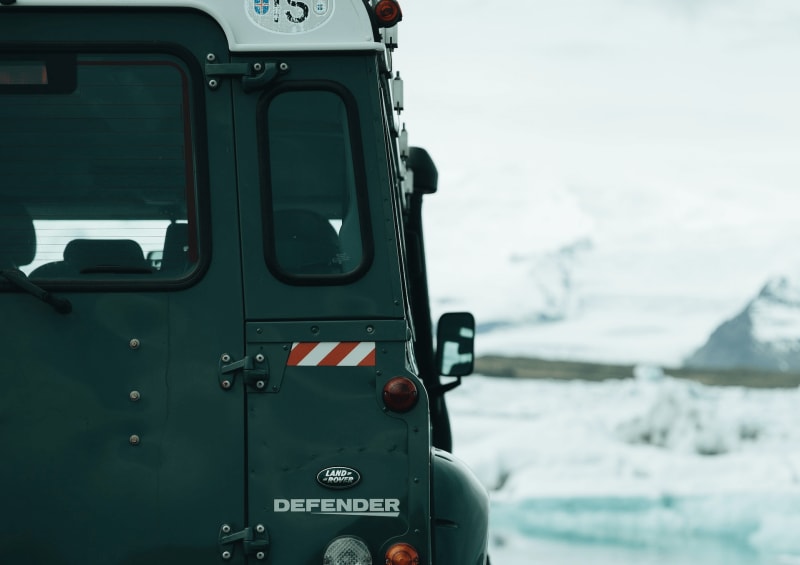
(99, 168)
(313, 189)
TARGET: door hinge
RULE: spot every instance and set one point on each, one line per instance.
(254, 370)
(253, 75)
(255, 541)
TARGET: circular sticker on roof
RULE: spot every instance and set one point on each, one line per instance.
(289, 16)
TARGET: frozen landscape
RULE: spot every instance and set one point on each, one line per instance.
(619, 183)
(642, 470)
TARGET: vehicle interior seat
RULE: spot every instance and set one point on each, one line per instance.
(88, 254)
(17, 236)
(175, 259)
(83, 256)
(306, 243)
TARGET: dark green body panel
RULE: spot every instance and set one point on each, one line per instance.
(74, 489)
(378, 293)
(460, 512)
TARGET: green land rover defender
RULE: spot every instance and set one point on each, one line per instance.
(215, 335)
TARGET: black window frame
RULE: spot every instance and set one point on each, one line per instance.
(197, 189)
(359, 176)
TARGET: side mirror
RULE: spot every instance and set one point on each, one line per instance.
(426, 177)
(455, 344)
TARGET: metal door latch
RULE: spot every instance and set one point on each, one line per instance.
(254, 371)
(254, 76)
(255, 541)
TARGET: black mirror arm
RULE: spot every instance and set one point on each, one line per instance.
(445, 388)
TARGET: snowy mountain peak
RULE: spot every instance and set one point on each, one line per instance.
(782, 290)
(765, 335)
(535, 288)
(775, 315)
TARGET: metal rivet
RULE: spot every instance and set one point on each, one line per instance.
(211, 57)
(226, 529)
(134, 439)
(213, 83)
(259, 330)
(314, 329)
(257, 66)
(134, 395)
(283, 67)
(226, 555)
(260, 357)
(225, 357)
(260, 555)
(260, 384)
(134, 343)
(370, 329)
(275, 388)
(226, 384)
(260, 528)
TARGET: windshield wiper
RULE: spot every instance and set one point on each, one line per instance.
(18, 279)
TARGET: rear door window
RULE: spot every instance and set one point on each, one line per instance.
(314, 187)
(99, 167)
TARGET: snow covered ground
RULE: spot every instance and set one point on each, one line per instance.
(648, 469)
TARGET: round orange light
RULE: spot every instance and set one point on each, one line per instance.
(400, 394)
(402, 554)
(388, 13)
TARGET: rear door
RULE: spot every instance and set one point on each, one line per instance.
(324, 314)
(119, 443)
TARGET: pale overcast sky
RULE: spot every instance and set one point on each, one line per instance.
(664, 132)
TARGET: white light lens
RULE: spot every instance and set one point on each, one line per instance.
(347, 550)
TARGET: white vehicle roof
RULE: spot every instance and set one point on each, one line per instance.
(257, 25)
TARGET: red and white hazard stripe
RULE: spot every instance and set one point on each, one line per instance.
(332, 354)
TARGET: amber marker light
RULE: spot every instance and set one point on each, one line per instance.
(402, 554)
(400, 394)
(388, 13)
